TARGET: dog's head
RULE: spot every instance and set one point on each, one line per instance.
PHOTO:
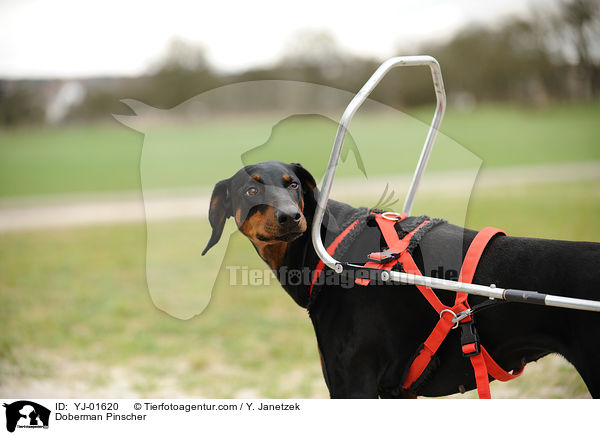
(272, 203)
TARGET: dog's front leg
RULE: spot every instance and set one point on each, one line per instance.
(352, 377)
(350, 353)
(354, 387)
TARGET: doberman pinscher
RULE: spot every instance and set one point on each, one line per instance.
(367, 336)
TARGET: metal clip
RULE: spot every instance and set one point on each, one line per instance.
(446, 310)
(393, 216)
(457, 317)
(462, 315)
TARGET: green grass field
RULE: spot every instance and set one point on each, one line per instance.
(77, 318)
(107, 157)
(76, 310)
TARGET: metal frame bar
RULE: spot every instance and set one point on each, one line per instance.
(512, 295)
(354, 105)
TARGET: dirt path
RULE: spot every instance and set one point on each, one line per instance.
(27, 213)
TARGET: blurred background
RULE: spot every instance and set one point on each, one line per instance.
(523, 86)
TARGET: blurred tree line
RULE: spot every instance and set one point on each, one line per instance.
(553, 56)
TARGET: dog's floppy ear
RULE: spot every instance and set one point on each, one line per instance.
(220, 210)
(309, 185)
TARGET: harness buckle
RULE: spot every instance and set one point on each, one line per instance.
(383, 256)
(469, 339)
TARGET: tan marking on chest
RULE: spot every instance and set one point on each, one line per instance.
(272, 253)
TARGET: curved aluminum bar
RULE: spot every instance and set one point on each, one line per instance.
(356, 102)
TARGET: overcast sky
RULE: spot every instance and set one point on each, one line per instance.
(76, 38)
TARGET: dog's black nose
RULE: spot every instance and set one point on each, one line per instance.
(288, 215)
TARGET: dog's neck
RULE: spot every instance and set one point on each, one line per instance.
(295, 271)
(272, 253)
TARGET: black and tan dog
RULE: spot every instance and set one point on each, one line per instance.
(367, 336)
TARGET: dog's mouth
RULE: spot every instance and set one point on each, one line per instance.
(287, 237)
(290, 236)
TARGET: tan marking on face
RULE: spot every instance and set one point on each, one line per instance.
(252, 225)
(238, 217)
(256, 177)
(264, 223)
(302, 225)
(287, 178)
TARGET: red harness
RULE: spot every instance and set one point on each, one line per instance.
(483, 364)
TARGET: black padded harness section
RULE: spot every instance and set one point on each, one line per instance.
(366, 219)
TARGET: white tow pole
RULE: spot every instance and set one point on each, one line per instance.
(512, 295)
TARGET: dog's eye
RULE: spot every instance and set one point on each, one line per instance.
(252, 191)
(293, 185)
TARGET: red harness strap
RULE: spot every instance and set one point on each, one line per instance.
(396, 246)
(330, 250)
(483, 364)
